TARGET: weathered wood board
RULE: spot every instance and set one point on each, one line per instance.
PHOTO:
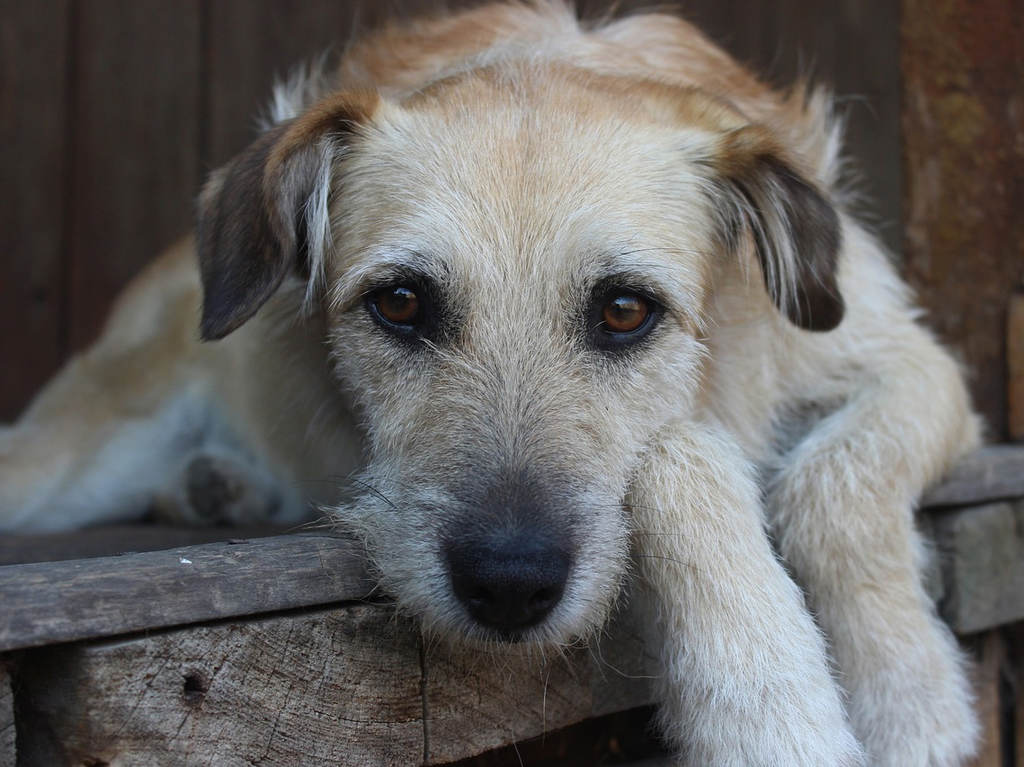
(116, 540)
(344, 686)
(982, 552)
(328, 687)
(63, 601)
(992, 473)
(476, 700)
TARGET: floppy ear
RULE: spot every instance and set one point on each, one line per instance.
(796, 230)
(259, 215)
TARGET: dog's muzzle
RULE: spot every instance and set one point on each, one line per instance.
(509, 581)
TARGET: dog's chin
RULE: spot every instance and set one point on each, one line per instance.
(569, 625)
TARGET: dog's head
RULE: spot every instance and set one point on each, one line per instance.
(517, 266)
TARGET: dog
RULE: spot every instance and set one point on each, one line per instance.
(574, 304)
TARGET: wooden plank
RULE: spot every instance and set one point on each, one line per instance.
(993, 473)
(348, 686)
(477, 700)
(982, 553)
(64, 601)
(963, 85)
(114, 540)
(338, 687)
(136, 145)
(991, 658)
(7, 734)
(33, 131)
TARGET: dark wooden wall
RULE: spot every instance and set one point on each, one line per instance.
(963, 128)
(113, 111)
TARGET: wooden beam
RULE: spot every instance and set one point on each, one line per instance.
(993, 473)
(80, 599)
(478, 700)
(348, 686)
(982, 562)
(991, 662)
(338, 687)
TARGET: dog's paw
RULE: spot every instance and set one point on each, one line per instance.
(916, 709)
(780, 740)
(218, 488)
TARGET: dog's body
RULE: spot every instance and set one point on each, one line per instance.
(452, 237)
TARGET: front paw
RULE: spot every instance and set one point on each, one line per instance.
(915, 707)
(214, 487)
(781, 718)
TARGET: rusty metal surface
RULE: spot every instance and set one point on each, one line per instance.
(963, 133)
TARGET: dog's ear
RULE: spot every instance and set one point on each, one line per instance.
(796, 230)
(259, 215)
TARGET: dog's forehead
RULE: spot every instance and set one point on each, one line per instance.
(519, 174)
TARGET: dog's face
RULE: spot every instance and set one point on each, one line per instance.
(515, 267)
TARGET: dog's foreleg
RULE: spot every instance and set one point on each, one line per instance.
(745, 678)
(842, 509)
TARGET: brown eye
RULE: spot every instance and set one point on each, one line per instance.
(625, 313)
(398, 305)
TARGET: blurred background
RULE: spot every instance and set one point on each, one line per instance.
(114, 111)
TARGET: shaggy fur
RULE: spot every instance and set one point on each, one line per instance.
(515, 162)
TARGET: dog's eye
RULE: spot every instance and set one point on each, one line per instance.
(620, 317)
(397, 305)
(625, 313)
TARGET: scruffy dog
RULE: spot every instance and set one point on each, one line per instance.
(566, 297)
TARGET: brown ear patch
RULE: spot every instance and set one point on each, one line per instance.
(796, 230)
(251, 227)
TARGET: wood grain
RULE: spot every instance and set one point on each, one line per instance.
(64, 601)
(135, 122)
(339, 687)
(346, 686)
(34, 42)
(477, 700)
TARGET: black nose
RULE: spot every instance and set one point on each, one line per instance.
(508, 581)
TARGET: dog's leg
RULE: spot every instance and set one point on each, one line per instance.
(842, 511)
(745, 677)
